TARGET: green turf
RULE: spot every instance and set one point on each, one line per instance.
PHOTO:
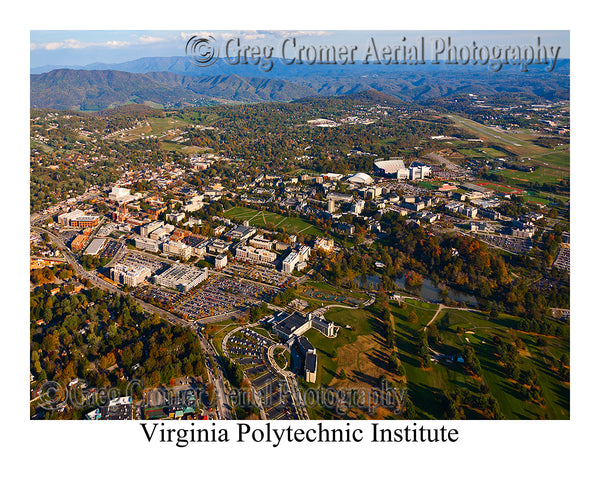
(265, 219)
(426, 386)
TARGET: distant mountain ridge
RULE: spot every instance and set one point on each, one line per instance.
(177, 81)
(99, 89)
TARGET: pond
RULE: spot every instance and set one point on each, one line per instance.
(427, 290)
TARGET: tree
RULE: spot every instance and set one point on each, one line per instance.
(413, 317)
(434, 334)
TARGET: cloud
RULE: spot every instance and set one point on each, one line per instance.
(296, 33)
(149, 39)
(73, 44)
(248, 35)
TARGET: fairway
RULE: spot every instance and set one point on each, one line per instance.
(272, 221)
(426, 386)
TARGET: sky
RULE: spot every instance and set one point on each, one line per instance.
(82, 47)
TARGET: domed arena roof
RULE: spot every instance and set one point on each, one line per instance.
(361, 178)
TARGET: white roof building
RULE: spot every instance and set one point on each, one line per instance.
(361, 178)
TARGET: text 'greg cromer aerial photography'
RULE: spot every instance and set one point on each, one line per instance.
(314, 225)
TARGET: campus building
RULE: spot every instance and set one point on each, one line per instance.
(79, 219)
(95, 246)
(177, 248)
(241, 232)
(175, 217)
(85, 221)
(392, 168)
(146, 230)
(146, 244)
(220, 261)
(194, 204)
(130, 275)
(122, 195)
(261, 242)
(325, 244)
(65, 218)
(290, 262)
(247, 253)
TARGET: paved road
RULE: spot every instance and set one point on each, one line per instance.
(215, 371)
(216, 375)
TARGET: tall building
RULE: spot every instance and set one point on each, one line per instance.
(220, 261)
(330, 205)
(290, 262)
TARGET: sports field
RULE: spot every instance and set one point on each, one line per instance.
(500, 188)
(272, 220)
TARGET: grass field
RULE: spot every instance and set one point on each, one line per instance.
(499, 188)
(426, 386)
(321, 292)
(515, 142)
(356, 358)
(265, 219)
(163, 124)
(553, 163)
(559, 159)
(540, 175)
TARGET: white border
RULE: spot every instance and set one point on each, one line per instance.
(546, 449)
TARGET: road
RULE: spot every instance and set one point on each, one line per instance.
(215, 370)
(216, 375)
(291, 381)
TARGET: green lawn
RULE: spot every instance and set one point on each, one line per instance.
(263, 219)
(162, 124)
(540, 175)
(363, 323)
(560, 159)
(427, 386)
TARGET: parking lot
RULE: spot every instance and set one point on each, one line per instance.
(563, 259)
(137, 259)
(158, 294)
(249, 349)
(512, 244)
(259, 273)
(219, 295)
(110, 249)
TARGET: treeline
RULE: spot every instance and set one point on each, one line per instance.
(459, 261)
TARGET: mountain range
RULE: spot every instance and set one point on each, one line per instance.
(176, 81)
